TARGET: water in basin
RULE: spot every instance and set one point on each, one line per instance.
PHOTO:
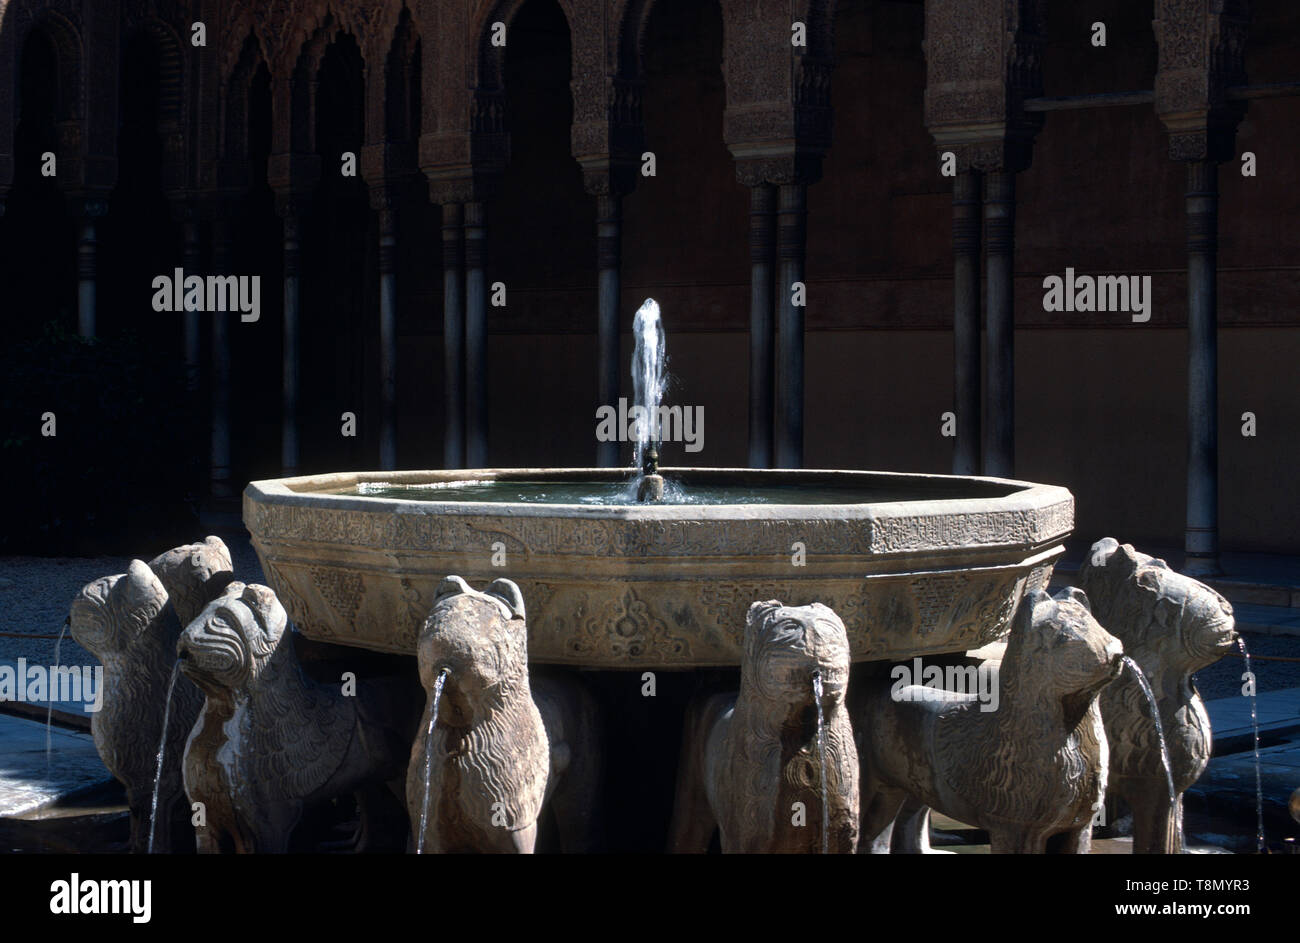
(527, 491)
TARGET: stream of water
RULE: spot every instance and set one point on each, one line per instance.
(1260, 843)
(428, 758)
(647, 374)
(162, 748)
(1160, 729)
(821, 756)
(49, 707)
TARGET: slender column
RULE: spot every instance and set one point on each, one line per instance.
(292, 299)
(966, 212)
(762, 251)
(476, 360)
(1202, 538)
(792, 212)
(191, 263)
(453, 335)
(609, 215)
(1000, 385)
(388, 338)
(220, 445)
(87, 267)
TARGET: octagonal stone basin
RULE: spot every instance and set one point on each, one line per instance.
(913, 564)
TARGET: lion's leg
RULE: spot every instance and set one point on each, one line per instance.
(911, 834)
(523, 840)
(576, 803)
(1076, 841)
(273, 827)
(693, 821)
(1016, 841)
(1155, 823)
(139, 810)
(206, 841)
(880, 807)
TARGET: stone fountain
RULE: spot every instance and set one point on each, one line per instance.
(667, 570)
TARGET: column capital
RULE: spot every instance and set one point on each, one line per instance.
(608, 146)
(778, 166)
(290, 207)
(1202, 45)
(461, 185)
(603, 175)
(974, 103)
(292, 175)
(88, 205)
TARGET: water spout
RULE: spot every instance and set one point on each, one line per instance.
(648, 389)
(1260, 843)
(1160, 730)
(428, 756)
(162, 746)
(821, 756)
(49, 707)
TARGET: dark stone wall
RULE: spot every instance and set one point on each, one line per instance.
(1100, 400)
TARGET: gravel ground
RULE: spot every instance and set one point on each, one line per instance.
(35, 593)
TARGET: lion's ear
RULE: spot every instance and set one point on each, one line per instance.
(218, 548)
(1128, 559)
(508, 592)
(450, 586)
(1078, 595)
(142, 593)
(265, 604)
(761, 610)
(1101, 552)
(1024, 618)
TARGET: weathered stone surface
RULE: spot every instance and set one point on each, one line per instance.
(500, 750)
(669, 585)
(749, 759)
(271, 740)
(1032, 769)
(125, 621)
(1172, 626)
(194, 575)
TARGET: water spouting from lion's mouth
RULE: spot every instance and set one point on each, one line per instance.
(821, 758)
(162, 748)
(428, 756)
(1160, 736)
(1260, 845)
(49, 707)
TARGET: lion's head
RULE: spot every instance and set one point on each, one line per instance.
(230, 642)
(1056, 644)
(480, 640)
(110, 614)
(1161, 615)
(194, 575)
(786, 645)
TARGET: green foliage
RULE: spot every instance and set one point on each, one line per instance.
(121, 469)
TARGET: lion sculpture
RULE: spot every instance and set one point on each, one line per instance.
(125, 622)
(1172, 626)
(1033, 769)
(272, 741)
(750, 765)
(502, 749)
(130, 622)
